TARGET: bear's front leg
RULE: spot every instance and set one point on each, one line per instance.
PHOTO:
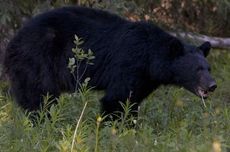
(112, 106)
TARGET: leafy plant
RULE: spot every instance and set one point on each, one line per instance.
(79, 57)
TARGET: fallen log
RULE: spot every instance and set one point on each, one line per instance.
(216, 42)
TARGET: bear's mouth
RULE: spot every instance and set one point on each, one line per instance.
(202, 92)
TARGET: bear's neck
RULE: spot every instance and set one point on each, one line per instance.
(160, 72)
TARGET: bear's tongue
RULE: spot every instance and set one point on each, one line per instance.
(203, 93)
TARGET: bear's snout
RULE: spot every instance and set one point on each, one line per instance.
(212, 86)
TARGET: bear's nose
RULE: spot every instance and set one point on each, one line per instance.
(212, 86)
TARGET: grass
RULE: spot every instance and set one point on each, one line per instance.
(171, 119)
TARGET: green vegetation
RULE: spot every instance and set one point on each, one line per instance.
(171, 119)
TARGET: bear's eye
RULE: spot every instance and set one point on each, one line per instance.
(209, 69)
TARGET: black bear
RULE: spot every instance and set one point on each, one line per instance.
(131, 58)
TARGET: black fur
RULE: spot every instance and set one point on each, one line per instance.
(131, 58)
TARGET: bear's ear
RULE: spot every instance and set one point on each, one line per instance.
(176, 48)
(205, 48)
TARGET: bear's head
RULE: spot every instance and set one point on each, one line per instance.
(190, 68)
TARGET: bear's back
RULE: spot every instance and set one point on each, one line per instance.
(70, 15)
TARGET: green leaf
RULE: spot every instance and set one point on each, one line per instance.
(71, 61)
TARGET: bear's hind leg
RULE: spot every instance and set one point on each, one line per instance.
(29, 91)
(33, 99)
